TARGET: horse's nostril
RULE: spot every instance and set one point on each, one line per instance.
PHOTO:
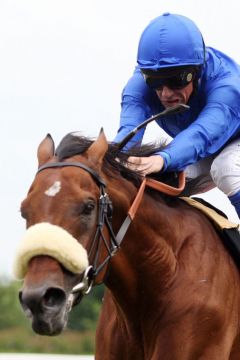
(36, 300)
(53, 297)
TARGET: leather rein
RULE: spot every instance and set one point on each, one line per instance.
(105, 219)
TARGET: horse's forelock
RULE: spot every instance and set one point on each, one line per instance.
(72, 145)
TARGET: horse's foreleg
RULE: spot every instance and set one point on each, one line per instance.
(109, 343)
(112, 340)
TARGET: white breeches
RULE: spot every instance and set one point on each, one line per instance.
(222, 170)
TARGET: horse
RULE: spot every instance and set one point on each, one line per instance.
(172, 288)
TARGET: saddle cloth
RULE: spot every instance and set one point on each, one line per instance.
(228, 231)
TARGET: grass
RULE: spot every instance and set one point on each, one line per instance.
(22, 340)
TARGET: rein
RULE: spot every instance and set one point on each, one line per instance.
(105, 218)
(154, 184)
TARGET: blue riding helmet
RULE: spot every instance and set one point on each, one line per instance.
(168, 41)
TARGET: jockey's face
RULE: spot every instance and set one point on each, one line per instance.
(170, 97)
(172, 85)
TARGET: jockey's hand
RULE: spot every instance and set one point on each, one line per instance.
(146, 165)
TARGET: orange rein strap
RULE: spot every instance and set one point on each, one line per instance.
(159, 186)
(154, 184)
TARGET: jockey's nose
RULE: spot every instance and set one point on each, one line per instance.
(166, 91)
(42, 299)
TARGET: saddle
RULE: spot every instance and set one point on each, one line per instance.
(227, 230)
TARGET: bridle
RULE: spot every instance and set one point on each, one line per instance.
(105, 219)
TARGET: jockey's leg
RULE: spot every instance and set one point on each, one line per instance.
(225, 172)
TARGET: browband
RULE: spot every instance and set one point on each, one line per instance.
(96, 177)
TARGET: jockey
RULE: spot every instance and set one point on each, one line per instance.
(174, 66)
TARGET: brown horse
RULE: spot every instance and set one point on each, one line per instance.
(172, 288)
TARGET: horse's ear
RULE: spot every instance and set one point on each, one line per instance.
(98, 148)
(45, 150)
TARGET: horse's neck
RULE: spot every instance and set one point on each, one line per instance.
(148, 249)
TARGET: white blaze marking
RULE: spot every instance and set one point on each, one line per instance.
(54, 189)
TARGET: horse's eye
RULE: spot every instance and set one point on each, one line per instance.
(88, 207)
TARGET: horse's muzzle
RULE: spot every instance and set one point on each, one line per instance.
(46, 307)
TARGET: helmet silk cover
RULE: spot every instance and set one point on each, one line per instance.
(170, 41)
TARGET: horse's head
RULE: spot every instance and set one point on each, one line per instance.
(65, 210)
(70, 237)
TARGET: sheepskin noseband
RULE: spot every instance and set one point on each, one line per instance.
(52, 240)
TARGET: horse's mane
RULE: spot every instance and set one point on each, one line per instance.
(115, 160)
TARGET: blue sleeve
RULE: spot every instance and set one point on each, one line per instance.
(215, 125)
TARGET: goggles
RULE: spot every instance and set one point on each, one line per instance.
(177, 81)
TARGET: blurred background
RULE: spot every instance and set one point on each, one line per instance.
(63, 66)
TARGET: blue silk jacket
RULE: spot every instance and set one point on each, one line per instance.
(212, 121)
